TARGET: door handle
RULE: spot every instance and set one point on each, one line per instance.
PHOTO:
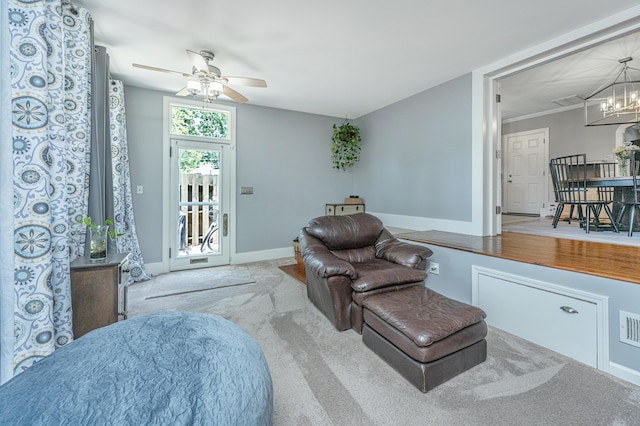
(509, 181)
(569, 309)
(225, 224)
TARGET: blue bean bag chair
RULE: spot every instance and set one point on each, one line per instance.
(172, 368)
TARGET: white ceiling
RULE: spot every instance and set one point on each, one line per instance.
(334, 57)
(579, 74)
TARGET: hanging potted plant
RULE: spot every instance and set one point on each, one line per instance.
(345, 151)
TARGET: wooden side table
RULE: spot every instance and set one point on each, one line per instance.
(95, 289)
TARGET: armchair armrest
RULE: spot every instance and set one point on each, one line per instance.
(320, 261)
(391, 249)
(328, 265)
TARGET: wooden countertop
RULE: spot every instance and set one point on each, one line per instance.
(613, 261)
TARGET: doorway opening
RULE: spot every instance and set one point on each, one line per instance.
(487, 81)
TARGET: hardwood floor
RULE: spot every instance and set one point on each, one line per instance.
(604, 260)
(542, 226)
(296, 271)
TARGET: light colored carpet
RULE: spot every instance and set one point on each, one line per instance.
(325, 377)
(193, 281)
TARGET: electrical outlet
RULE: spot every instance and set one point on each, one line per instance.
(246, 190)
(140, 189)
(434, 268)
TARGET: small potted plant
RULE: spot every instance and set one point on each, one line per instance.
(98, 238)
(345, 150)
(623, 154)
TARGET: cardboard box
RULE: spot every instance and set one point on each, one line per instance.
(353, 200)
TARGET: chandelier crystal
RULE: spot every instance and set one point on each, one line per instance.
(617, 102)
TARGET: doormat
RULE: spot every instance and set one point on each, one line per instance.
(196, 280)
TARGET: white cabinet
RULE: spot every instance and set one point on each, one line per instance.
(565, 320)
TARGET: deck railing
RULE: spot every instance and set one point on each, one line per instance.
(197, 191)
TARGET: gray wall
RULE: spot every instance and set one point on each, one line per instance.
(416, 155)
(284, 155)
(568, 134)
(144, 134)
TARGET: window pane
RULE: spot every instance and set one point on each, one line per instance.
(199, 202)
(192, 160)
(199, 122)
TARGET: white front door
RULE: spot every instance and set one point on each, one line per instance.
(525, 177)
(200, 204)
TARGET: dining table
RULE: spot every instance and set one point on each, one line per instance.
(622, 189)
(621, 184)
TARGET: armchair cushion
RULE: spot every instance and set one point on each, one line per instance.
(380, 273)
(357, 255)
(345, 232)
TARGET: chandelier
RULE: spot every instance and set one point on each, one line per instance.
(617, 102)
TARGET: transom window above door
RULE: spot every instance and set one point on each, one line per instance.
(192, 121)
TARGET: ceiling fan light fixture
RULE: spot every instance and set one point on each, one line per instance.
(194, 86)
(206, 81)
(216, 87)
(616, 103)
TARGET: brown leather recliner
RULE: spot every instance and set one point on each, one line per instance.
(348, 258)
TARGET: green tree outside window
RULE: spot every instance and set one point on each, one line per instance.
(199, 122)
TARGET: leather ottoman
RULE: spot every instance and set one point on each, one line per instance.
(427, 337)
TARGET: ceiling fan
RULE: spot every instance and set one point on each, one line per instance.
(206, 80)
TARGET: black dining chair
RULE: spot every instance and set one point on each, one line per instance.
(605, 193)
(632, 202)
(569, 177)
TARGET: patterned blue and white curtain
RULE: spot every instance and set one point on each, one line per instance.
(122, 201)
(6, 203)
(47, 102)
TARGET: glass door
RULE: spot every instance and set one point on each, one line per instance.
(200, 194)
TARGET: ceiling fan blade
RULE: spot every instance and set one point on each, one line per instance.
(183, 92)
(245, 81)
(234, 95)
(198, 61)
(147, 67)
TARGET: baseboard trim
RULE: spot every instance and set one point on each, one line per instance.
(425, 223)
(624, 373)
(238, 258)
(155, 268)
(257, 256)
